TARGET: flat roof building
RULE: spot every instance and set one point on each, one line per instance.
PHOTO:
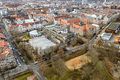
(41, 43)
(106, 36)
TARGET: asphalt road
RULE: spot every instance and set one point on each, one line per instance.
(91, 42)
(35, 68)
(1, 77)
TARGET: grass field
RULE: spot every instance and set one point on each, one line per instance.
(24, 76)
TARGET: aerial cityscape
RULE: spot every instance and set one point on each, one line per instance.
(59, 39)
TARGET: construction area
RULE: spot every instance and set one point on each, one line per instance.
(77, 62)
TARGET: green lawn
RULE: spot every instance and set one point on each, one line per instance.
(23, 77)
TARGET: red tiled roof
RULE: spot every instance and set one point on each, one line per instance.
(5, 53)
(3, 43)
(25, 24)
(74, 20)
(63, 16)
(17, 25)
(0, 30)
(2, 35)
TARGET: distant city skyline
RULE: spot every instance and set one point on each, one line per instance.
(82, 1)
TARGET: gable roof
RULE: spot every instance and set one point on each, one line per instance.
(2, 35)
